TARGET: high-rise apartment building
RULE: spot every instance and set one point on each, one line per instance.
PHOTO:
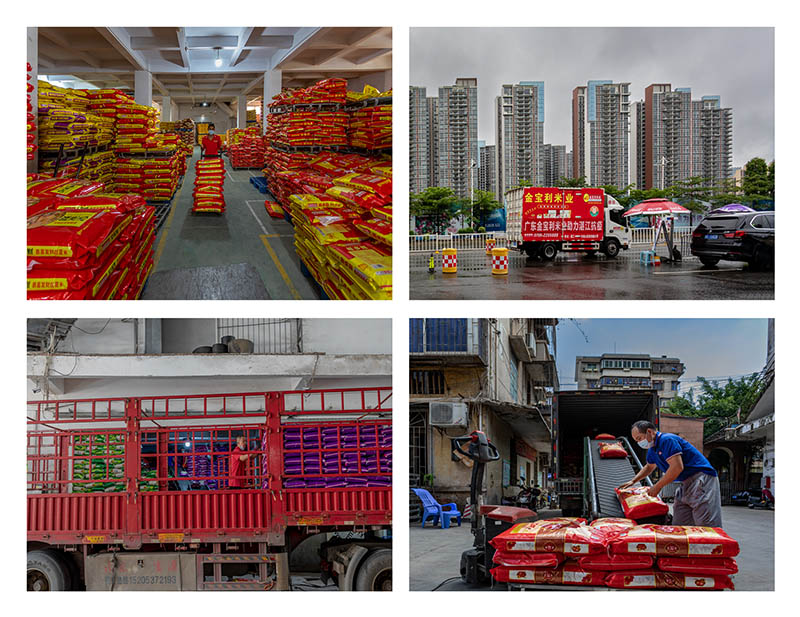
(680, 137)
(487, 170)
(600, 132)
(555, 164)
(418, 140)
(457, 128)
(519, 133)
(433, 141)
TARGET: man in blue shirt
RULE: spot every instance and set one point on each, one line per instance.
(697, 500)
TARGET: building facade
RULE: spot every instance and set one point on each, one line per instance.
(678, 138)
(418, 140)
(630, 371)
(457, 130)
(494, 375)
(555, 164)
(519, 134)
(433, 141)
(601, 132)
(487, 169)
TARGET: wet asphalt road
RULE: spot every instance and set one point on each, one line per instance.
(577, 277)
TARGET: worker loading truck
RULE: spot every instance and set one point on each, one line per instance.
(541, 221)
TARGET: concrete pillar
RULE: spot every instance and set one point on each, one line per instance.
(143, 88)
(175, 112)
(241, 112)
(272, 85)
(166, 109)
(33, 58)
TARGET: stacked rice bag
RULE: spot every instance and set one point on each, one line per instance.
(99, 463)
(31, 126)
(209, 186)
(247, 151)
(337, 456)
(154, 178)
(370, 128)
(99, 166)
(136, 128)
(87, 245)
(330, 91)
(637, 504)
(308, 128)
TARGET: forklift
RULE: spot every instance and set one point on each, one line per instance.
(487, 520)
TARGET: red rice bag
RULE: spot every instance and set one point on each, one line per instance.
(88, 283)
(675, 541)
(273, 209)
(608, 563)
(365, 182)
(570, 540)
(82, 236)
(612, 450)
(529, 560)
(698, 565)
(378, 230)
(64, 187)
(653, 579)
(637, 504)
(567, 574)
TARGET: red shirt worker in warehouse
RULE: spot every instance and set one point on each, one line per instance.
(697, 499)
(236, 469)
(211, 144)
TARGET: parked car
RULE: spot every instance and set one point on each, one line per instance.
(743, 498)
(748, 236)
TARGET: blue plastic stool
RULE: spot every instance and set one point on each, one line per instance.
(648, 258)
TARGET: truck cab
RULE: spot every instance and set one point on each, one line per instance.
(617, 231)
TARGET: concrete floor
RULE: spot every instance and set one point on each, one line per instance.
(243, 254)
(577, 277)
(435, 553)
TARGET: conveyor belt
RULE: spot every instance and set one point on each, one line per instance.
(608, 473)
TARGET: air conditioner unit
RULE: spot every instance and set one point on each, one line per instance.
(448, 414)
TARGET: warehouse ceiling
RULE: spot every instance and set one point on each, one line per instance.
(182, 60)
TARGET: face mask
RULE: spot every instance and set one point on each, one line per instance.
(646, 445)
(211, 133)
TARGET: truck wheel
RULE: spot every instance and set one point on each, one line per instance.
(532, 252)
(375, 573)
(611, 248)
(46, 572)
(549, 251)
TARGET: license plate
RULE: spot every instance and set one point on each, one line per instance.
(712, 237)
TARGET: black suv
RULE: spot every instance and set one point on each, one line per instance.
(748, 236)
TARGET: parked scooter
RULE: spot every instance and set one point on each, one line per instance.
(767, 501)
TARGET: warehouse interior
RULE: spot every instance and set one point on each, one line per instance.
(158, 92)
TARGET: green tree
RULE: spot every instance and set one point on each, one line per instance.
(574, 183)
(755, 180)
(438, 202)
(719, 403)
(622, 195)
(771, 179)
(484, 203)
(692, 191)
(725, 192)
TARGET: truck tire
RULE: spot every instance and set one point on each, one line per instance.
(46, 572)
(549, 251)
(375, 573)
(532, 252)
(611, 248)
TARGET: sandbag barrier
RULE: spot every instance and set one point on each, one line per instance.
(616, 553)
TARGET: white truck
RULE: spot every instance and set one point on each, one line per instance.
(541, 221)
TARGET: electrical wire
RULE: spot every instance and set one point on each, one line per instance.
(447, 580)
(98, 332)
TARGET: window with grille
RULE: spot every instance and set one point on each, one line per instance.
(427, 382)
(269, 336)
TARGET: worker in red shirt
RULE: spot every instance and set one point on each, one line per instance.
(211, 144)
(236, 468)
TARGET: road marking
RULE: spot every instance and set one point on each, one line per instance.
(280, 268)
(163, 242)
(694, 272)
(258, 220)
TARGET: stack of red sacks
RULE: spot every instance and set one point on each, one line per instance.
(308, 128)
(88, 246)
(209, 186)
(548, 551)
(155, 179)
(31, 127)
(247, 152)
(686, 557)
(615, 552)
(136, 128)
(370, 128)
(332, 91)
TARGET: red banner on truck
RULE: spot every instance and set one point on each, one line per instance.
(562, 215)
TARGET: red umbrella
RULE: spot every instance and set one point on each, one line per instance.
(656, 206)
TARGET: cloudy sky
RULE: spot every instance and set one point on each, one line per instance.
(735, 63)
(708, 347)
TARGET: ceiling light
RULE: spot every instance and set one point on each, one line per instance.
(218, 61)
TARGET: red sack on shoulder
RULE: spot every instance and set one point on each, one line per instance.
(698, 565)
(675, 541)
(637, 504)
(652, 579)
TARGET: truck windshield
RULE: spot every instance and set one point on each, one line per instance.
(616, 217)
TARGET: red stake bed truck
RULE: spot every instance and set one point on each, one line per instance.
(133, 493)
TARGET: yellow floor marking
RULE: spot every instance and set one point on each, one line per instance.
(278, 265)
